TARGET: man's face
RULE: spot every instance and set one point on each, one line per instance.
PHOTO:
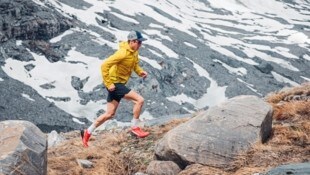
(135, 44)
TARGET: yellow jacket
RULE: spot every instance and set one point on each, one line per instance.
(118, 67)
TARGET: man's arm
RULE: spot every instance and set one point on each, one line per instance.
(138, 69)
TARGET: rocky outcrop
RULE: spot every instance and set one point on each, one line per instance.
(217, 136)
(23, 148)
(26, 20)
(293, 169)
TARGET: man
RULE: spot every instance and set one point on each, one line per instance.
(116, 71)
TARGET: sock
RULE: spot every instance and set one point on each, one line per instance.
(91, 128)
(135, 122)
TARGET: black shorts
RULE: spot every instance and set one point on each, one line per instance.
(120, 91)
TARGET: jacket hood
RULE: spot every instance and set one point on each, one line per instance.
(125, 45)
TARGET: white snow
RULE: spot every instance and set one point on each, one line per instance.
(155, 53)
(190, 45)
(238, 71)
(1, 79)
(181, 98)
(78, 121)
(158, 35)
(250, 86)
(307, 79)
(58, 38)
(125, 18)
(19, 42)
(215, 94)
(156, 26)
(27, 97)
(151, 62)
(298, 38)
(281, 78)
(307, 57)
(163, 48)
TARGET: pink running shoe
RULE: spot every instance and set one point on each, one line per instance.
(139, 132)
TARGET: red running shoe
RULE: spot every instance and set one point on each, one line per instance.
(85, 137)
(139, 132)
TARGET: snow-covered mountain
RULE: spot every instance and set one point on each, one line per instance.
(198, 53)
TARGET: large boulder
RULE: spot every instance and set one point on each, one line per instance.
(215, 137)
(23, 148)
(293, 169)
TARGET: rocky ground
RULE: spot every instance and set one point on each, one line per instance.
(117, 152)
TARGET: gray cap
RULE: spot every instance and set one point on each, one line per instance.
(135, 35)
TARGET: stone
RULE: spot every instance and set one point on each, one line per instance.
(162, 168)
(84, 163)
(23, 148)
(54, 139)
(216, 136)
(293, 169)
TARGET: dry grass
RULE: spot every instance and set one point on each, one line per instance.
(113, 152)
(290, 140)
(119, 153)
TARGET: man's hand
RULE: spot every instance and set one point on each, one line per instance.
(111, 87)
(143, 74)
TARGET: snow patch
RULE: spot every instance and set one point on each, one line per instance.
(282, 79)
(27, 97)
(78, 121)
(19, 42)
(238, 71)
(153, 63)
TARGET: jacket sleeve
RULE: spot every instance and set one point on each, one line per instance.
(137, 68)
(108, 63)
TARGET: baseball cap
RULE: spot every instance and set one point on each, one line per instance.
(135, 35)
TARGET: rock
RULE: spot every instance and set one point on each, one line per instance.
(215, 137)
(162, 168)
(23, 148)
(27, 20)
(264, 68)
(54, 139)
(200, 169)
(293, 169)
(84, 163)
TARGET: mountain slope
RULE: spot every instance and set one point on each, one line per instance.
(198, 54)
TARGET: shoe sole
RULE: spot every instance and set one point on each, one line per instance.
(143, 136)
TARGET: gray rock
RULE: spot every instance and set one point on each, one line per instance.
(54, 139)
(162, 168)
(23, 148)
(293, 169)
(215, 137)
(84, 163)
(26, 20)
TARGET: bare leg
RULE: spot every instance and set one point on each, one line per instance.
(138, 100)
(111, 108)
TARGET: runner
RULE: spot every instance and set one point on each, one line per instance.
(116, 71)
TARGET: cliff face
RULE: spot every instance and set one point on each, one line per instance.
(26, 20)
(33, 25)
